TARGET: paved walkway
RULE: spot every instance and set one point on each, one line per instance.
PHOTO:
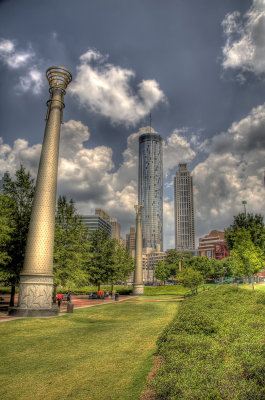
(78, 301)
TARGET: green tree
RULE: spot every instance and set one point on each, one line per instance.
(20, 192)
(6, 231)
(255, 226)
(217, 270)
(190, 278)
(177, 259)
(71, 245)
(162, 271)
(227, 266)
(122, 266)
(249, 259)
(174, 256)
(102, 259)
(203, 265)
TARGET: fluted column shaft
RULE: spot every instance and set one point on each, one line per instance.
(40, 242)
(138, 287)
(36, 278)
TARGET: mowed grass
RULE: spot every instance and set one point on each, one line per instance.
(177, 290)
(160, 297)
(95, 353)
(259, 287)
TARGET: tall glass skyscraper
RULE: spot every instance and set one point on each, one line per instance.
(150, 189)
(184, 210)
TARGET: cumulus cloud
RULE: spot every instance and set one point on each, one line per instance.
(176, 150)
(87, 174)
(168, 224)
(84, 174)
(32, 79)
(245, 40)
(232, 172)
(12, 57)
(107, 89)
(244, 135)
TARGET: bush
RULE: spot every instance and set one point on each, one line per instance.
(88, 289)
(214, 348)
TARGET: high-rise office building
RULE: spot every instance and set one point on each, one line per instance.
(184, 210)
(150, 189)
(115, 228)
(95, 222)
(130, 241)
(102, 214)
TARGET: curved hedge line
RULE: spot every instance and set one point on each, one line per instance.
(122, 290)
(214, 349)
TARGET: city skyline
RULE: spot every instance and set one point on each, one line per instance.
(199, 67)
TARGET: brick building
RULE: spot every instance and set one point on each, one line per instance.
(213, 245)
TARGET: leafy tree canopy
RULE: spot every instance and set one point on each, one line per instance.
(71, 245)
(20, 192)
(174, 256)
(162, 271)
(123, 264)
(190, 278)
(203, 265)
(102, 257)
(6, 231)
(255, 226)
(248, 258)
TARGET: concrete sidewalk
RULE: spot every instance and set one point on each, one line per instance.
(78, 301)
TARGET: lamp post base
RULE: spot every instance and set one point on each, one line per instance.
(31, 312)
(35, 297)
(138, 290)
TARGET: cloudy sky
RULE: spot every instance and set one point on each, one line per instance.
(197, 65)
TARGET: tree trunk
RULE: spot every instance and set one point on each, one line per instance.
(253, 287)
(12, 295)
(112, 288)
(98, 286)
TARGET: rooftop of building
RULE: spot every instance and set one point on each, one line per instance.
(214, 235)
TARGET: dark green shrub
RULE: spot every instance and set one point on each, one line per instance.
(214, 348)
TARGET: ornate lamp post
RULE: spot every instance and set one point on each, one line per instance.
(244, 202)
(36, 279)
(138, 287)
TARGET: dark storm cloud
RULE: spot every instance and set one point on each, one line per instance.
(243, 136)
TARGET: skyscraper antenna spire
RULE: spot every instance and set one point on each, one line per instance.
(150, 122)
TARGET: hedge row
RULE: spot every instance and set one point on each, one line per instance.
(214, 348)
(122, 290)
(88, 289)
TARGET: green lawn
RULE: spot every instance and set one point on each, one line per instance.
(95, 353)
(158, 297)
(177, 290)
(260, 287)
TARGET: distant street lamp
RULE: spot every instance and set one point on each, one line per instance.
(244, 202)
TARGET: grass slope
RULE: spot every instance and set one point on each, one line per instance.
(96, 353)
(214, 349)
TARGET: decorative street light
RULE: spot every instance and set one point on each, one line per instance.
(36, 278)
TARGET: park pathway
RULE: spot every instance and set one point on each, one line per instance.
(80, 301)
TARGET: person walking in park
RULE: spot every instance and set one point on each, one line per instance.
(69, 297)
(59, 299)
